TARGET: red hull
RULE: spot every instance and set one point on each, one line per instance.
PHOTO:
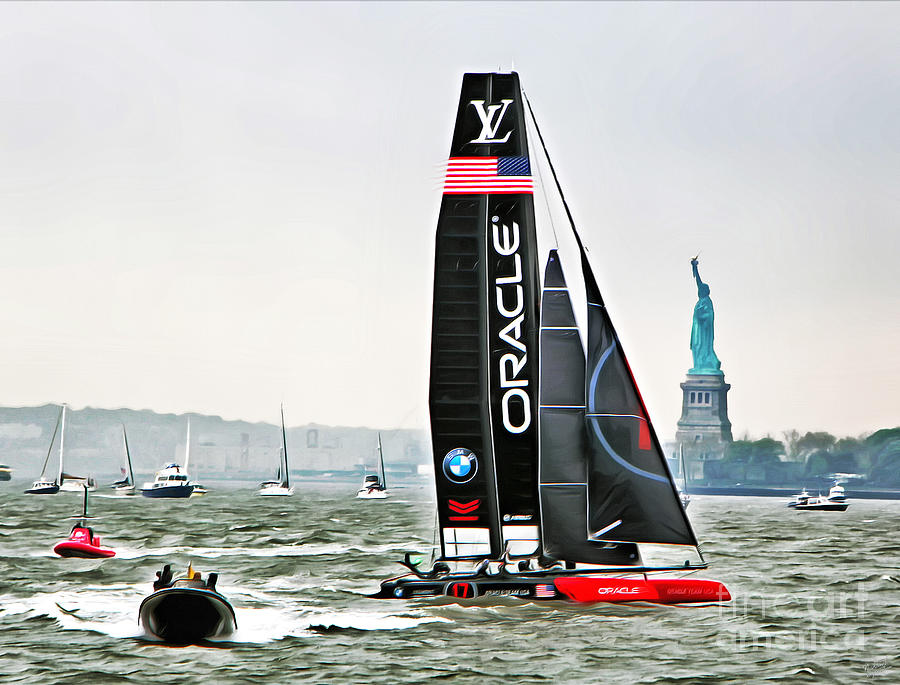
(68, 548)
(657, 590)
(83, 544)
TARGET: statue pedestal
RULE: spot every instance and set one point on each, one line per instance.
(704, 430)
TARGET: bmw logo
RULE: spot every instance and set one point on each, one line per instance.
(460, 465)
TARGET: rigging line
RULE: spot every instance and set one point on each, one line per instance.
(553, 171)
(434, 536)
(541, 176)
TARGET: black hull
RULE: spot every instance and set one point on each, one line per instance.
(174, 492)
(467, 587)
(821, 507)
(187, 615)
(42, 491)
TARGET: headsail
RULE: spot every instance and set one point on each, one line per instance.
(565, 465)
(632, 496)
(284, 472)
(381, 463)
(483, 397)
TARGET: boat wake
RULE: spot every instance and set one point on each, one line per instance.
(113, 610)
(301, 550)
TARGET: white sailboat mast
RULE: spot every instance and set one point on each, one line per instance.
(62, 438)
(187, 447)
(128, 456)
(381, 462)
(285, 474)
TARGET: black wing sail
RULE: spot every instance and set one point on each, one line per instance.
(632, 496)
(484, 332)
(564, 464)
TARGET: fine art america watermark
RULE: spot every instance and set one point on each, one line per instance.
(821, 622)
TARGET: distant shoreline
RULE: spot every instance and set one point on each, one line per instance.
(787, 492)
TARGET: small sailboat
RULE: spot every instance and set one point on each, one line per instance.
(125, 486)
(551, 482)
(172, 481)
(82, 542)
(682, 491)
(375, 487)
(67, 481)
(186, 610)
(43, 485)
(281, 486)
(835, 501)
(198, 489)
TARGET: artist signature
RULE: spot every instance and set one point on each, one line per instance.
(876, 668)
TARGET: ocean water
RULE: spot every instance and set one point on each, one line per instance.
(816, 598)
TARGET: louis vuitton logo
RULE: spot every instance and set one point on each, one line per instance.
(488, 125)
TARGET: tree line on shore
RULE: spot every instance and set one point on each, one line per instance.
(816, 456)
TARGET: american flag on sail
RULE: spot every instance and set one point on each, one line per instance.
(468, 175)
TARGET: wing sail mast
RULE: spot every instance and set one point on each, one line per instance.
(483, 397)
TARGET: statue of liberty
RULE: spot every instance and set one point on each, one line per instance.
(705, 359)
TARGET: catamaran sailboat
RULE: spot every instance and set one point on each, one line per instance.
(125, 486)
(43, 485)
(682, 491)
(374, 487)
(281, 486)
(550, 478)
(172, 481)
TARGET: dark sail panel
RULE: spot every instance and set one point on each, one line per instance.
(484, 336)
(632, 497)
(564, 463)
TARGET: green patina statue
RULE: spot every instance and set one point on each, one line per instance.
(705, 359)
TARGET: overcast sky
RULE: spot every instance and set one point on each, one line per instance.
(219, 207)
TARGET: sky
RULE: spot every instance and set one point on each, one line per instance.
(219, 207)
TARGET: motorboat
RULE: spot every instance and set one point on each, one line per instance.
(5, 472)
(835, 501)
(170, 482)
(43, 486)
(82, 542)
(186, 610)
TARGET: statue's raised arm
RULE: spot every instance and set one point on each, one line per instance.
(705, 359)
(696, 272)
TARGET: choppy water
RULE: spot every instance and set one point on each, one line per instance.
(817, 598)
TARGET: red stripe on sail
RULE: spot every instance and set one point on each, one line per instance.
(644, 441)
